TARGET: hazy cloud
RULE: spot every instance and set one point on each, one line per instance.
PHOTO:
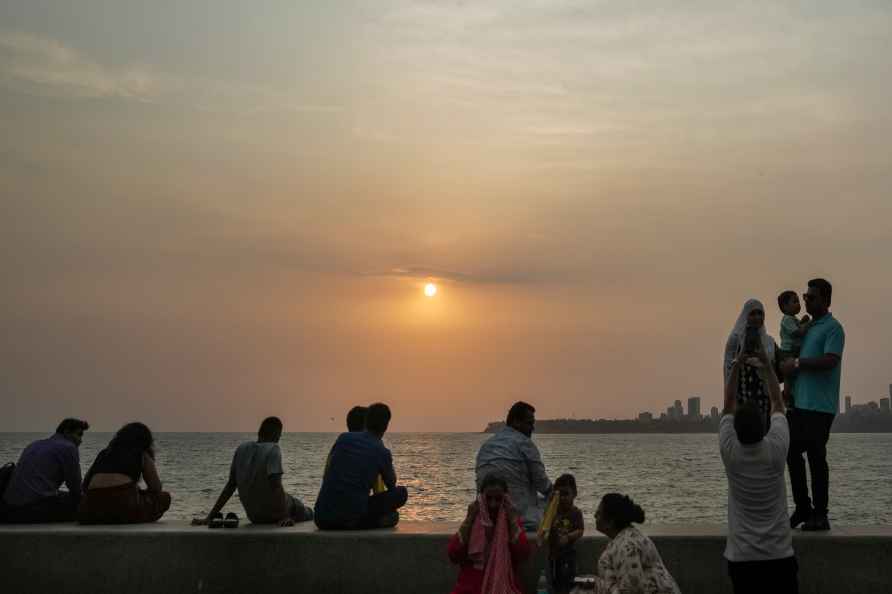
(230, 211)
(493, 273)
(37, 65)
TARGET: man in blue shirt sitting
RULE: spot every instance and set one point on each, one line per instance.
(356, 460)
(33, 494)
(815, 404)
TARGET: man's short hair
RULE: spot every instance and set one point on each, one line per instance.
(518, 411)
(356, 418)
(378, 417)
(784, 297)
(70, 425)
(270, 427)
(748, 423)
(824, 288)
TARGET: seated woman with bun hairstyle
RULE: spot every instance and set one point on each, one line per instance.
(630, 564)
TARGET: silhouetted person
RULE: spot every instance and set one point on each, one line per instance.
(759, 547)
(355, 461)
(512, 455)
(256, 471)
(33, 495)
(749, 336)
(111, 487)
(815, 403)
(356, 418)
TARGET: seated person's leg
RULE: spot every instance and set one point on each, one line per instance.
(382, 508)
(152, 506)
(298, 511)
(59, 508)
(62, 508)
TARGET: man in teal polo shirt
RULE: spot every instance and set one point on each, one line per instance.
(815, 404)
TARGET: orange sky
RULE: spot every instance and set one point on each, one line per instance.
(213, 218)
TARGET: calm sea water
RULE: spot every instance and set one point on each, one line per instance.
(676, 478)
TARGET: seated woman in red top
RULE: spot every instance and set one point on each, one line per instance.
(490, 544)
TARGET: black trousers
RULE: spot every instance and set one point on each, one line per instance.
(380, 513)
(59, 508)
(778, 576)
(382, 508)
(809, 433)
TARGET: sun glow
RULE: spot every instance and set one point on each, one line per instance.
(430, 289)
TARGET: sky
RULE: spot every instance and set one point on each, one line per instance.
(218, 211)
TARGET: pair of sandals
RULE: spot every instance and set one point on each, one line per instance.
(218, 521)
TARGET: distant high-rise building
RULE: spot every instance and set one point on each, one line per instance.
(714, 412)
(848, 404)
(694, 408)
(679, 409)
(670, 413)
(645, 417)
(884, 405)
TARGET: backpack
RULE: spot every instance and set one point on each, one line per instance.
(5, 477)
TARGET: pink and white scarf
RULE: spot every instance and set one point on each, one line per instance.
(492, 556)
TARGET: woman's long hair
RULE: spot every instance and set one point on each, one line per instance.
(134, 436)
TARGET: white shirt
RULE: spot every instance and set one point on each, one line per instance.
(758, 524)
(514, 457)
(252, 466)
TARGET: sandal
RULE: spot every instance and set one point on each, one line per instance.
(216, 521)
(231, 520)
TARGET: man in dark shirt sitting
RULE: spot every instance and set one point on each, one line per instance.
(33, 494)
(356, 460)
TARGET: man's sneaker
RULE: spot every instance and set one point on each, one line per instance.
(816, 523)
(799, 516)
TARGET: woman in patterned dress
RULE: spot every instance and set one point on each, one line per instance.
(630, 564)
(750, 386)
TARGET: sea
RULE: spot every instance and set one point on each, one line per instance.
(677, 479)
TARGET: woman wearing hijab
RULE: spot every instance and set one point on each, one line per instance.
(490, 544)
(630, 564)
(751, 386)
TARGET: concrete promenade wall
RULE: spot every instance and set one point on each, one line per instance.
(173, 558)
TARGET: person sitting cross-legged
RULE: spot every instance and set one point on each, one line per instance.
(355, 461)
(111, 487)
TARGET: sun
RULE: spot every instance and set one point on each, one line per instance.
(430, 289)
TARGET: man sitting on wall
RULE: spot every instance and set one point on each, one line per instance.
(256, 472)
(356, 460)
(33, 494)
